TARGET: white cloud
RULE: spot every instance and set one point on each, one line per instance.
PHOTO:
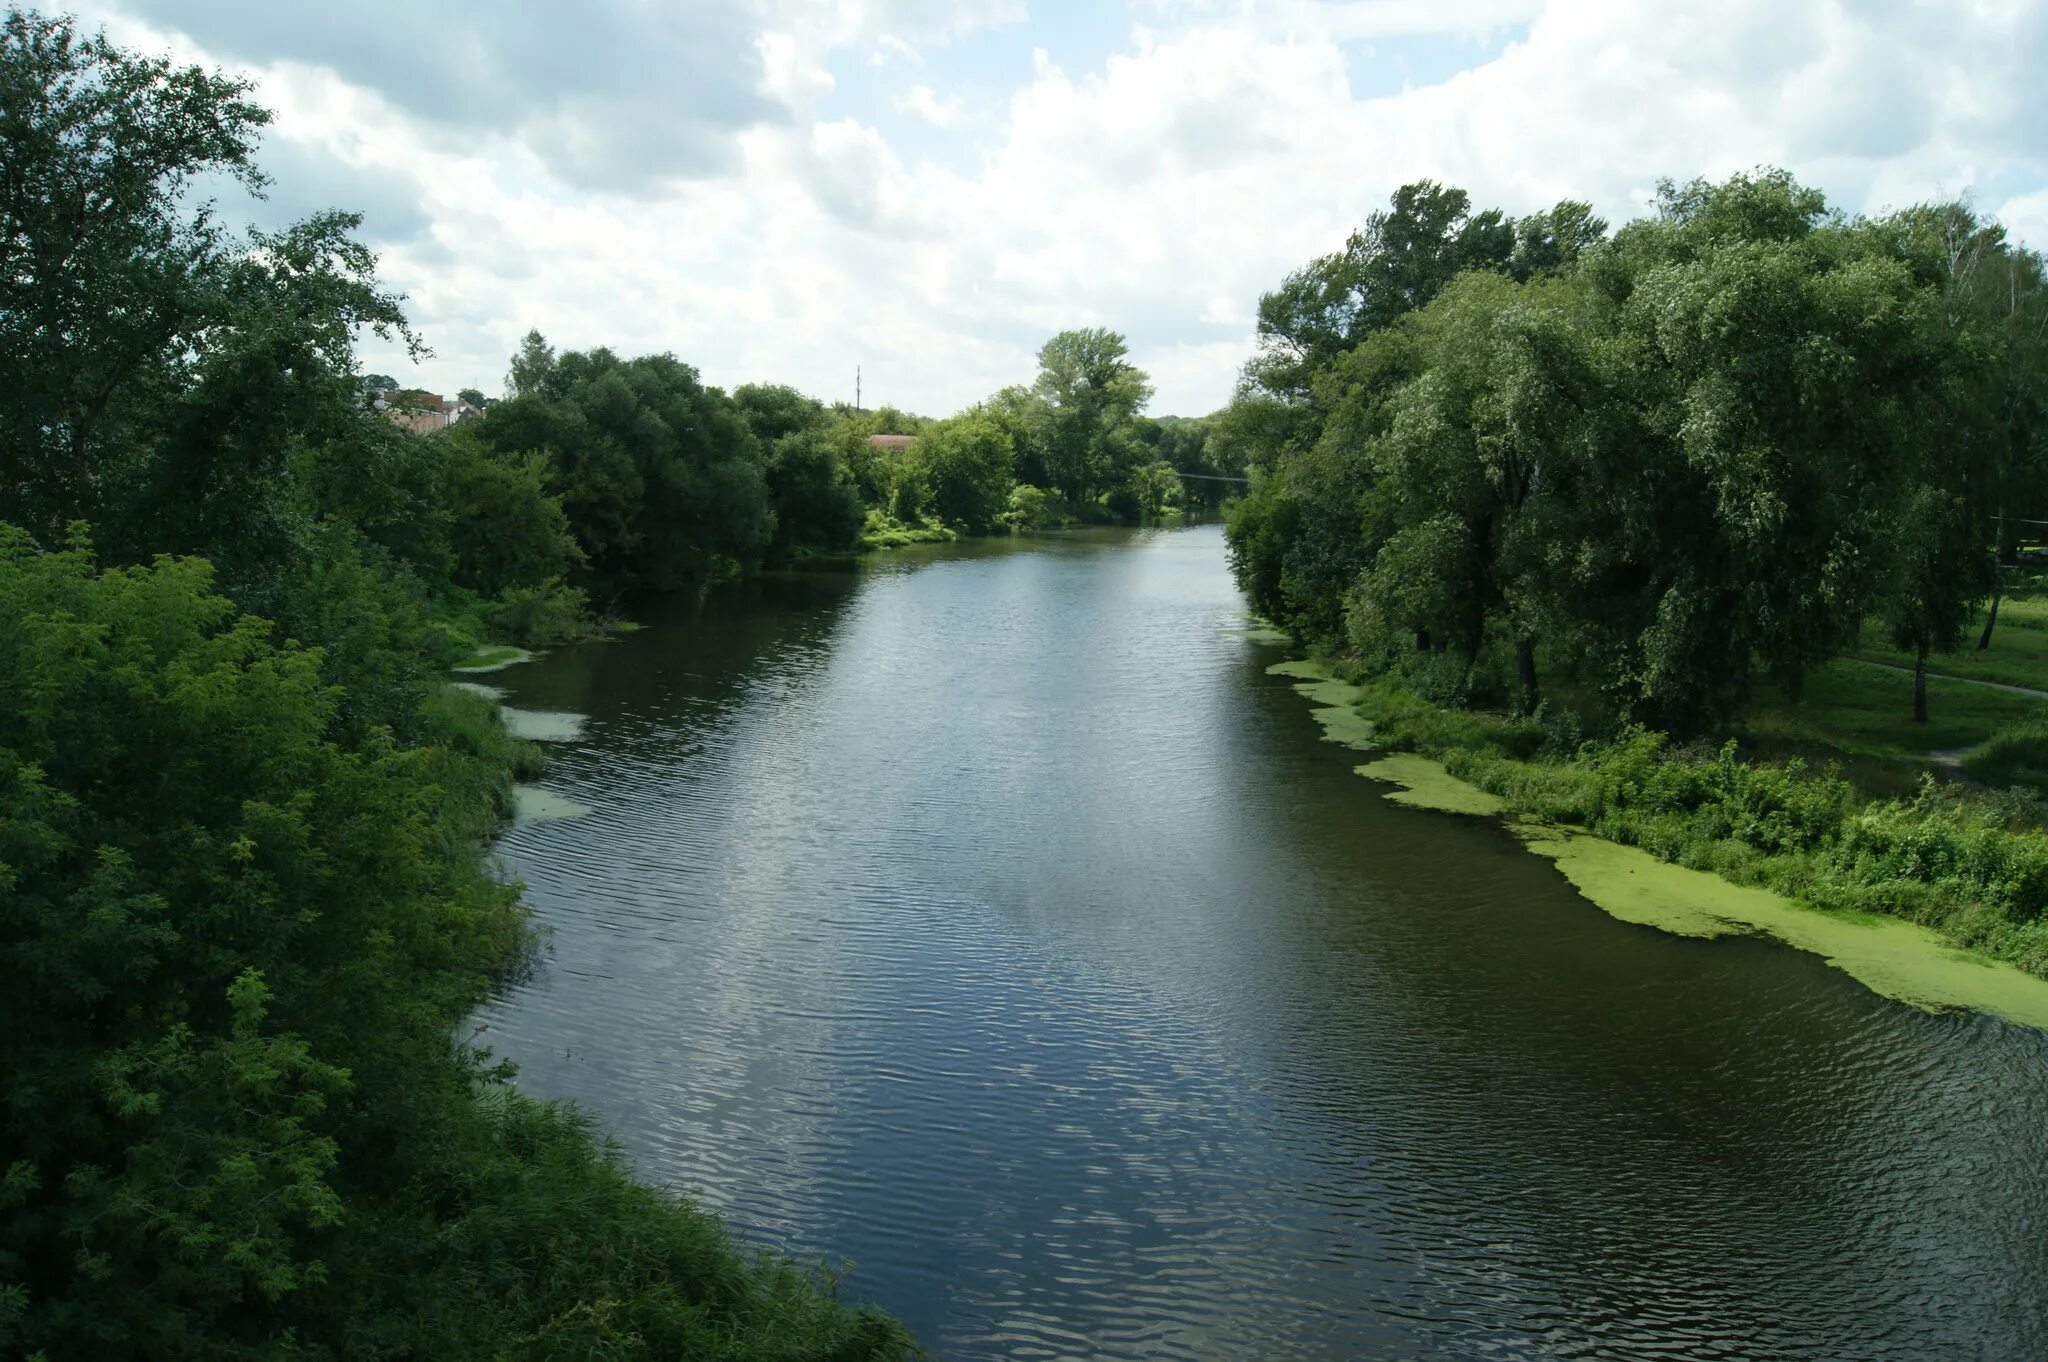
(920, 103)
(1158, 190)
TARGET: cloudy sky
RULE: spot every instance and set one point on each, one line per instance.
(780, 190)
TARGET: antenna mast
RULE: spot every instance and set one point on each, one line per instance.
(856, 390)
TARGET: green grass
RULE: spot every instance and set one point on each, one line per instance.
(2017, 756)
(1861, 717)
(2018, 655)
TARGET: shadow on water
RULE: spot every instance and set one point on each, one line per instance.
(989, 917)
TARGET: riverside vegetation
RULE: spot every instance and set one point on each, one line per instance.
(244, 906)
(1600, 521)
(243, 899)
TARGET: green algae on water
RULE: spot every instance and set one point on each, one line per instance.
(1425, 784)
(1336, 701)
(1888, 955)
(542, 725)
(493, 659)
(1257, 630)
(532, 804)
(479, 689)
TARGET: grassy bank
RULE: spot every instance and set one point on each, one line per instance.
(1970, 864)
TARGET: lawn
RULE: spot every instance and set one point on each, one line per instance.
(2018, 655)
(1861, 717)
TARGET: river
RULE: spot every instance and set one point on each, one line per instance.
(990, 918)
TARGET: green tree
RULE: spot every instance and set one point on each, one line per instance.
(661, 479)
(773, 410)
(506, 529)
(964, 465)
(816, 504)
(137, 332)
(1092, 395)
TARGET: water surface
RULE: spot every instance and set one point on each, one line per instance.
(991, 919)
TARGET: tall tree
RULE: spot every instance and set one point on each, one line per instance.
(121, 293)
(1093, 395)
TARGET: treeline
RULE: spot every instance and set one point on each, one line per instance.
(243, 902)
(665, 481)
(1520, 462)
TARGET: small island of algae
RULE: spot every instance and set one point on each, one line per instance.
(1336, 703)
(1425, 784)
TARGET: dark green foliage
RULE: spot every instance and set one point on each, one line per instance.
(243, 903)
(817, 504)
(236, 1125)
(1656, 466)
(773, 410)
(660, 477)
(2015, 756)
(506, 530)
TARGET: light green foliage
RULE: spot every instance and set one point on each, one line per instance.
(964, 465)
(1967, 867)
(1092, 395)
(1029, 508)
(2014, 756)
(1155, 488)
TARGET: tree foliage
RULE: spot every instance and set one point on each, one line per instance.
(1663, 465)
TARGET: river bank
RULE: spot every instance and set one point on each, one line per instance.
(1934, 901)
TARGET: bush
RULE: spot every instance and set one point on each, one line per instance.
(543, 616)
(238, 949)
(2014, 756)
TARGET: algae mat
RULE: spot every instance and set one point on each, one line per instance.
(532, 804)
(1888, 955)
(542, 725)
(1335, 700)
(1425, 784)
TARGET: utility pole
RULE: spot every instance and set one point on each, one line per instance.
(856, 390)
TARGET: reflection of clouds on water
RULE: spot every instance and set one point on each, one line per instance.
(995, 921)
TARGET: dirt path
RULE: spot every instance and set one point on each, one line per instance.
(1964, 680)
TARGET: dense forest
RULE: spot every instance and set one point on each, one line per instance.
(244, 907)
(1576, 509)
(1659, 467)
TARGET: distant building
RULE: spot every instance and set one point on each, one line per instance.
(895, 444)
(422, 413)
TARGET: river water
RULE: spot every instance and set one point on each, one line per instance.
(991, 919)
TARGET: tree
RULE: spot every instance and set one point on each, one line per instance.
(474, 396)
(533, 368)
(773, 410)
(136, 331)
(965, 464)
(661, 479)
(816, 504)
(1396, 263)
(506, 529)
(1092, 395)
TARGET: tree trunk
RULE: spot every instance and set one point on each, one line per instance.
(1422, 640)
(1525, 664)
(1920, 685)
(1997, 580)
(1984, 639)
